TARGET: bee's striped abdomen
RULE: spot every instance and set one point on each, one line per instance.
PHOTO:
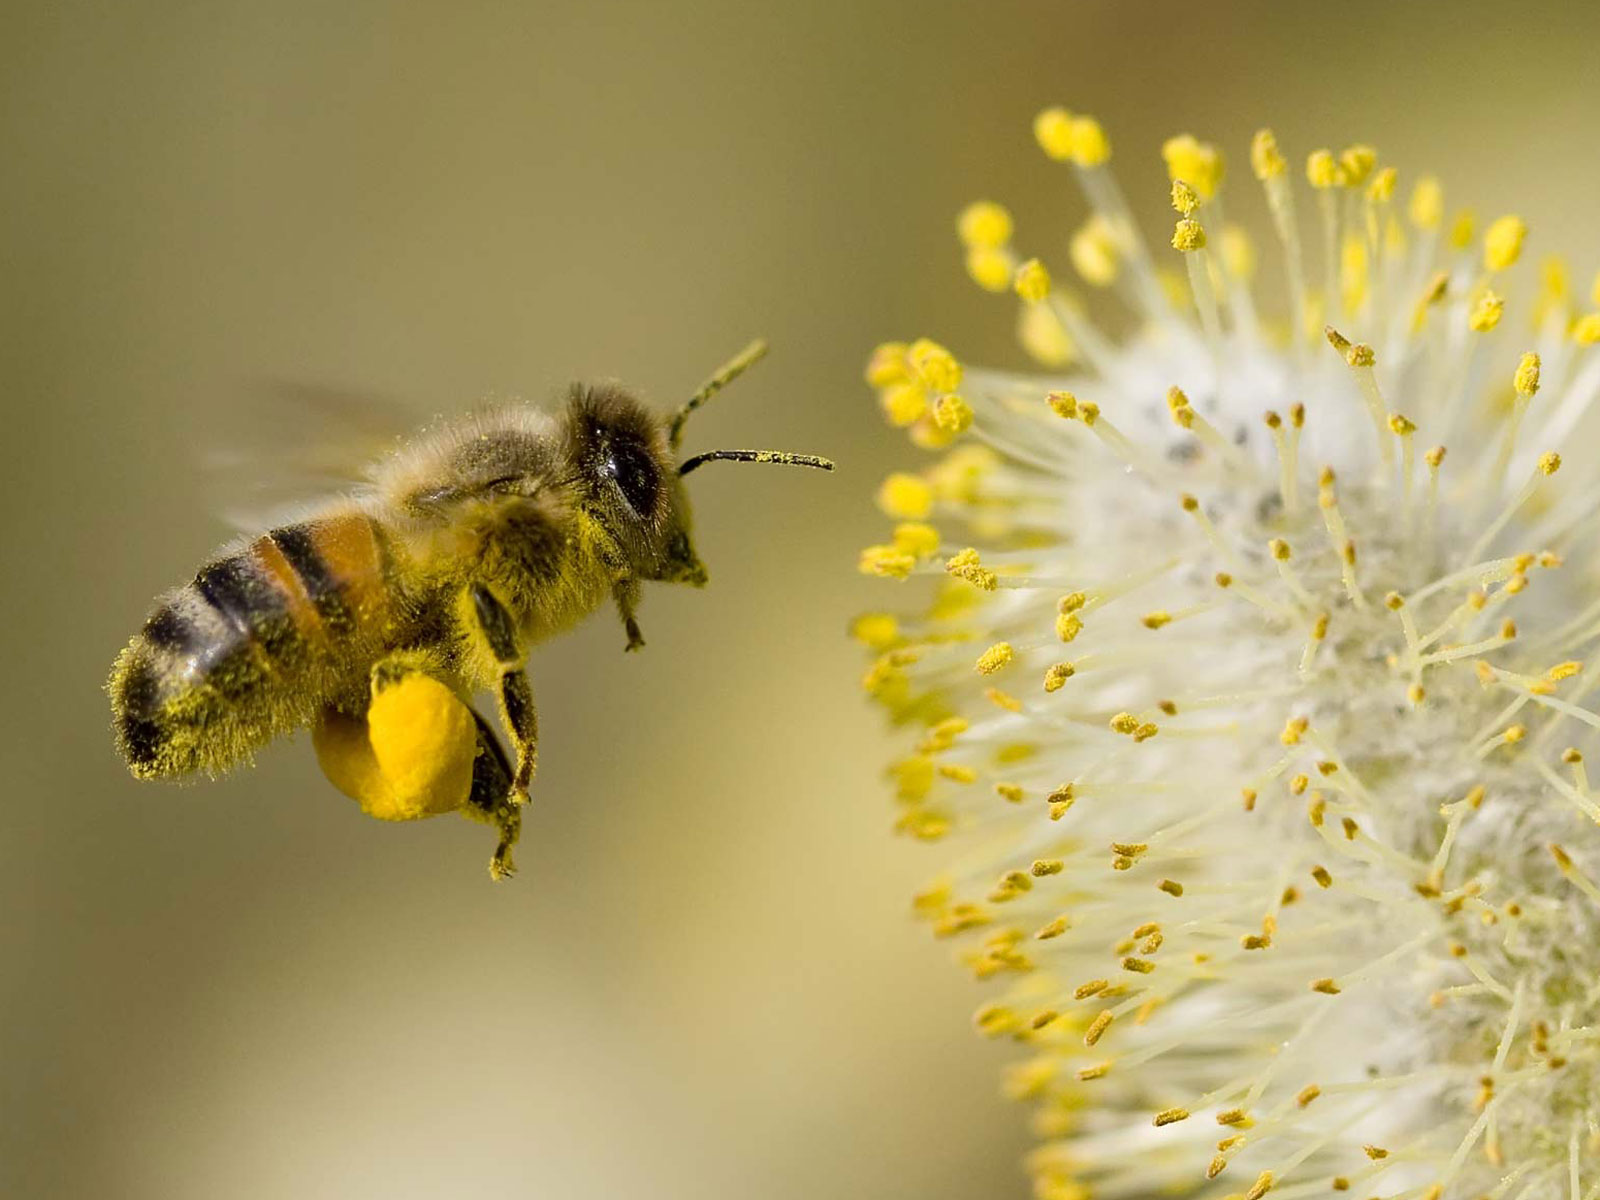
(252, 647)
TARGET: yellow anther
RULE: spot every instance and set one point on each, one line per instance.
(1097, 1027)
(1336, 339)
(1093, 250)
(1381, 189)
(1326, 986)
(915, 538)
(1068, 626)
(1527, 377)
(905, 496)
(1171, 887)
(989, 268)
(1502, 243)
(934, 365)
(877, 630)
(1565, 670)
(1155, 620)
(1401, 426)
(995, 658)
(1046, 866)
(1375, 1153)
(958, 773)
(1010, 792)
(888, 365)
(1260, 1187)
(1427, 203)
(1462, 229)
(1188, 235)
(1197, 163)
(1088, 412)
(1053, 930)
(1124, 722)
(952, 414)
(1168, 1116)
(1052, 128)
(886, 561)
(1280, 550)
(1323, 170)
(1090, 146)
(1032, 281)
(984, 225)
(1360, 355)
(1321, 875)
(1586, 329)
(1357, 162)
(1063, 404)
(1184, 198)
(1293, 730)
(904, 403)
(1238, 253)
(1265, 159)
(1485, 314)
(1549, 463)
(1434, 457)
(1056, 676)
(966, 565)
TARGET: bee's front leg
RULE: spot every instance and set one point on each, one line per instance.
(626, 594)
(498, 632)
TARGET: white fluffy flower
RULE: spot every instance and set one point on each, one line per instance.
(1252, 698)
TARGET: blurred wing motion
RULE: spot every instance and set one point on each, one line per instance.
(290, 445)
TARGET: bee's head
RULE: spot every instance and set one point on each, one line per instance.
(627, 461)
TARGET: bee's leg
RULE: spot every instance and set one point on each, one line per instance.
(490, 800)
(626, 594)
(499, 633)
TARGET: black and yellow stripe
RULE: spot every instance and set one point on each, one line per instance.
(253, 646)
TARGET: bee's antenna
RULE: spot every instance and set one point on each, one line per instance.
(781, 457)
(720, 378)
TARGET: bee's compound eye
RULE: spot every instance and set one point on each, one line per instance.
(629, 463)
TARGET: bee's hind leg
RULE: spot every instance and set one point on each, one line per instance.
(491, 800)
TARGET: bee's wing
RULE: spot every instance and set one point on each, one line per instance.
(292, 443)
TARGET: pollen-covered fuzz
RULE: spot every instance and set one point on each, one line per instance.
(1248, 667)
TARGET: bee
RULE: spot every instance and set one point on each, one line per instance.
(374, 620)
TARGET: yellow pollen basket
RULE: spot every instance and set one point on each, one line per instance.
(410, 758)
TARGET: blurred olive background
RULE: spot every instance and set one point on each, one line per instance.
(705, 982)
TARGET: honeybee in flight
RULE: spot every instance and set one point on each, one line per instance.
(374, 620)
